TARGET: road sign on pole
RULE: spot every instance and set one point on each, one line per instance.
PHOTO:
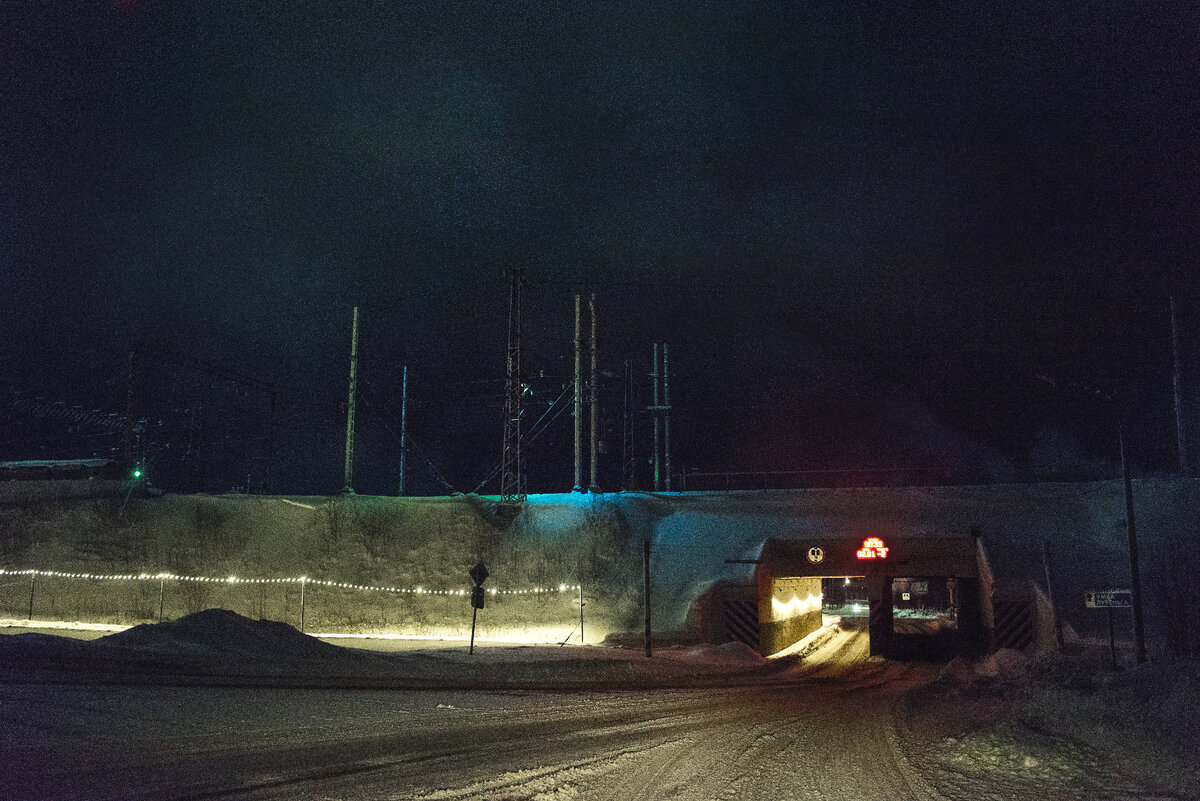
(478, 574)
(1109, 600)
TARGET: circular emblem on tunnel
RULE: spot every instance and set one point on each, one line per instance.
(816, 555)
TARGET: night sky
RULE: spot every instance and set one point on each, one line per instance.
(864, 230)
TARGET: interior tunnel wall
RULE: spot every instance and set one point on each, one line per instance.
(789, 609)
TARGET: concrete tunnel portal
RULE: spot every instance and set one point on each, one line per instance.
(918, 596)
(925, 595)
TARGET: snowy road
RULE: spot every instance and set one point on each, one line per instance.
(827, 735)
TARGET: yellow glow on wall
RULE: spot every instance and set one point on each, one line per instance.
(795, 607)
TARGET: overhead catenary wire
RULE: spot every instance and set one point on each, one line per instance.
(533, 434)
(409, 441)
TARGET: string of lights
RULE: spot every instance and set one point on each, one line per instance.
(305, 580)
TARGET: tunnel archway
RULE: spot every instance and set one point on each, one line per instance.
(937, 587)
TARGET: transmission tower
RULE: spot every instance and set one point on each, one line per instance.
(512, 491)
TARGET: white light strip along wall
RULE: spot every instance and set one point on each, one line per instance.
(561, 588)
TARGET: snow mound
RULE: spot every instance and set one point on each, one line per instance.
(226, 632)
(961, 672)
(1003, 662)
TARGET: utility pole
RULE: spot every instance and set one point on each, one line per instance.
(654, 410)
(403, 425)
(578, 487)
(511, 490)
(1139, 635)
(661, 411)
(666, 418)
(593, 485)
(348, 470)
(1179, 438)
(267, 486)
(628, 467)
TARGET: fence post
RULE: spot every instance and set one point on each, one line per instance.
(161, 587)
(32, 584)
(581, 614)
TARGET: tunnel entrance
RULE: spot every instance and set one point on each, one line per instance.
(844, 597)
(919, 598)
(924, 617)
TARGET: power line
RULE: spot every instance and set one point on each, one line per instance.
(533, 435)
(410, 441)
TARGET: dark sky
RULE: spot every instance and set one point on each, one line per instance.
(864, 229)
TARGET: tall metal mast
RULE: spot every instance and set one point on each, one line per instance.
(666, 417)
(628, 467)
(578, 407)
(512, 492)
(1179, 438)
(593, 485)
(654, 411)
(348, 470)
(403, 427)
(661, 411)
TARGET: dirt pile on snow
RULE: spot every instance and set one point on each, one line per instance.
(223, 632)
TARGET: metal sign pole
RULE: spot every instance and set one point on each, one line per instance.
(478, 574)
(474, 614)
(1112, 639)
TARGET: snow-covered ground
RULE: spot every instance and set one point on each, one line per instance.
(218, 706)
(1057, 726)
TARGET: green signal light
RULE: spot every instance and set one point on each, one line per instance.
(137, 473)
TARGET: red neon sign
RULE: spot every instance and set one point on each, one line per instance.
(872, 548)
